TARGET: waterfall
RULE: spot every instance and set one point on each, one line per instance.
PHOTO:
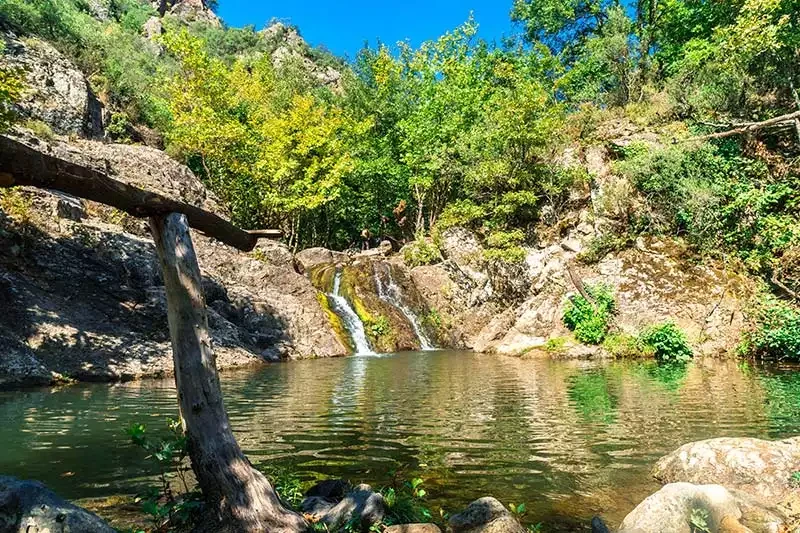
(349, 317)
(390, 292)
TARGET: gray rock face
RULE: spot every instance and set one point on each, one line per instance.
(85, 300)
(152, 28)
(484, 515)
(310, 258)
(30, 507)
(194, 11)
(684, 508)
(57, 92)
(361, 505)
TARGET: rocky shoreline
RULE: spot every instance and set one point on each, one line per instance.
(725, 485)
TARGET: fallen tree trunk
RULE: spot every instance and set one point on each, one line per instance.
(21, 164)
(748, 127)
(240, 498)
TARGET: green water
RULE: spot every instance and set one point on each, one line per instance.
(569, 439)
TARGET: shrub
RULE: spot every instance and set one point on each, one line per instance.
(776, 333)
(590, 320)
(603, 245)
(556, 345)
(168, 510)
(421, 252)
(667, 342)
(16, 204)
(40, 129)
(621, 345)
(405, 500)
(505, 246)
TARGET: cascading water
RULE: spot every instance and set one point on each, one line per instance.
(349, 317)
(390, 292)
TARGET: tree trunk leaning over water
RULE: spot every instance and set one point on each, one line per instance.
(240, 498)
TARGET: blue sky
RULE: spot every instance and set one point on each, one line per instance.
(343, 26)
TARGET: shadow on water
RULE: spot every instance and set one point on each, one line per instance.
(569, 439)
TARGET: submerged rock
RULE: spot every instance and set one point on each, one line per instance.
(485, 515)
(30, 507)
(686, 508)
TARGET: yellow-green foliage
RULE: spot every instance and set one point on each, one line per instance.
(623, 346)
(11, 87)
(334, 320)
(40, 129)
(16, 204)
(275, 152)
(421, 252)
(556, 345)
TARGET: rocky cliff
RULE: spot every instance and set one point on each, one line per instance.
(80, 292)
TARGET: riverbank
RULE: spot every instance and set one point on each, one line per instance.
(562, 437)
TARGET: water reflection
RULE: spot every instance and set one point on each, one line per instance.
(568, 438)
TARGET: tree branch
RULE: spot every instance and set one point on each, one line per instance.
(21, 164)
(748, 127)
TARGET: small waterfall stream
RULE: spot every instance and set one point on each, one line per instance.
(349, 317)
(390, 292)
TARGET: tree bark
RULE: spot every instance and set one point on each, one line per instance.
(21, 164)
(239, 497)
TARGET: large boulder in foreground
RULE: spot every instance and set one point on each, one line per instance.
(758, 467)
(687, 508)
(485, 515)
(326, 504)
(30, 507)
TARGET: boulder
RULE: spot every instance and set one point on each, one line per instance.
(485, 515)
(30, 507)
(686, 508)
(310, 258)
(758, 467)
(361, 505)
(413, 528)
(70, 207)
(152, 28)
(189, 11)
(461, 246)
(57, 92)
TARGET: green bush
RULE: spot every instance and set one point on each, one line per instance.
(719, 200)
(590, 320)
(667, 342)
(405, 500)
(172, 504)
(623, 346)
(776, 333)
(421, 252)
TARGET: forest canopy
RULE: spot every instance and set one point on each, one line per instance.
(408, 141)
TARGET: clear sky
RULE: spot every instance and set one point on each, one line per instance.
(343, 26)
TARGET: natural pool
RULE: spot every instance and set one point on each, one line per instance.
(570, 439)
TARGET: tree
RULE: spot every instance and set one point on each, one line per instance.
(274, 151)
